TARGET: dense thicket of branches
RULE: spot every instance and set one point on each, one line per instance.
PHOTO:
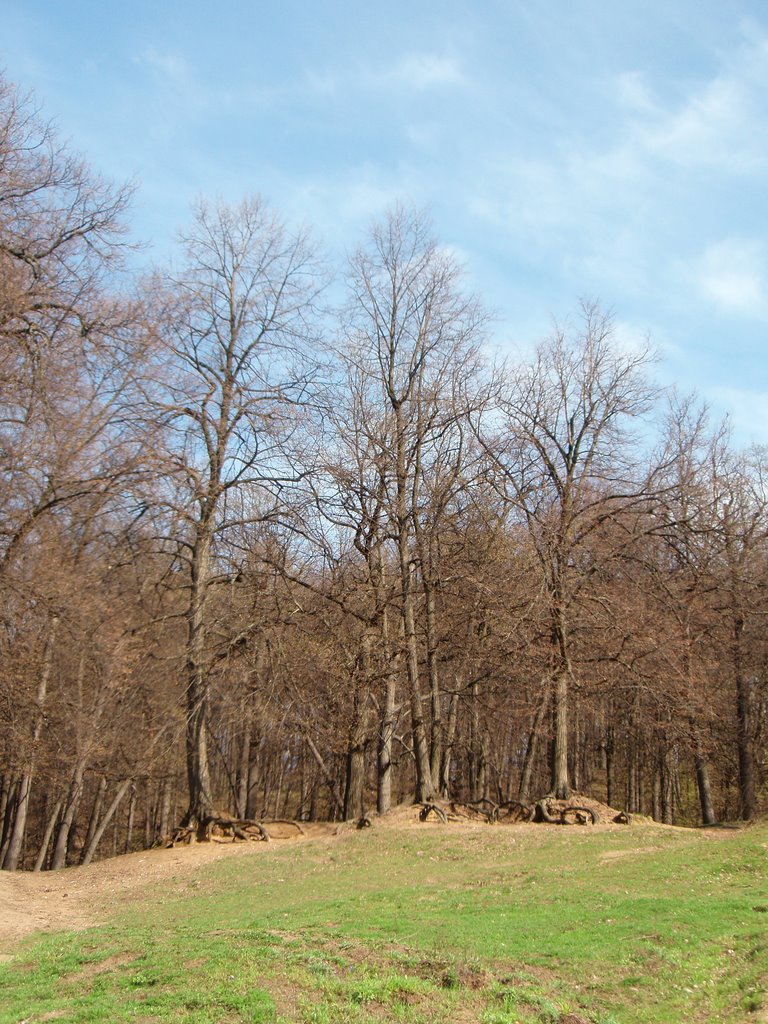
(264, 558)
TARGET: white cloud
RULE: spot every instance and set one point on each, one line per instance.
(169, 65)
(425, 71)
(732, 275)
(721, 122)
(716, 126)
(634, 93)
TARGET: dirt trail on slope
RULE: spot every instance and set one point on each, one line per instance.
(80, 897)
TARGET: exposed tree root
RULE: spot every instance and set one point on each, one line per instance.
(438, 812)
(514, 810)
(220, 830)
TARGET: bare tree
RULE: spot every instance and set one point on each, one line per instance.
(566, 461)
(235, 326)
(412, 333)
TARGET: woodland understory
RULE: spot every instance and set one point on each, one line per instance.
(272, 554)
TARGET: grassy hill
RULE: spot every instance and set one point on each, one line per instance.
(425, 923)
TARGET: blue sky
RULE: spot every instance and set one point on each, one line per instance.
(565, 148)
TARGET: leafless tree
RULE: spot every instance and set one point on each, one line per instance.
(566, 461)
(236, 324)
(411, 331)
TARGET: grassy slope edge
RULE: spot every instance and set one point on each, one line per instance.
(496, 925)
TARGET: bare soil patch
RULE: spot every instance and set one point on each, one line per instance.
(80, 897)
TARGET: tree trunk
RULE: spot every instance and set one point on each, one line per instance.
(337, 801)
(243, 770)
(475, 770)
(13, 852)
(388, 720)
(524, 790)
(129, 826)
(610, 750)
(702, 782)
(744, 738)
(198, 767)
(433, 672)
(576, 748)
(424, 787)
(450, 737)
(101, 828)
(668, 789)
(47, 837)
(9, 812)
(165, 807)
(355, 782)
(560, 788)
(93, 821)
(59, 859)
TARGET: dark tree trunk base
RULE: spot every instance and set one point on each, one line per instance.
(218, 830)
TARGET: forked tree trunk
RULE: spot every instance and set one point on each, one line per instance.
(59, 859)
(450, 738)
(338, 803)
(93, 821)
(101, 828)
(531, 749)
(41, 855)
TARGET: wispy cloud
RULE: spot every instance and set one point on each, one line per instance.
(719, 122)
(731, 274)
(418, 70)
(170, 66)
(426, 71)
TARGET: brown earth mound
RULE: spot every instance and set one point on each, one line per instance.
(83, 896)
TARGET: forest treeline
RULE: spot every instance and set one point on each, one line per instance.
(266, 557)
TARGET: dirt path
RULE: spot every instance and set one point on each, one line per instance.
(81, 897)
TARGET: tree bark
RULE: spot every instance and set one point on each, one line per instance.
(59, 858)
(101, 828)
(450, 737)
(243, 770)
(39, 863)
(13, 853)
(708, 816)
(198, 768)
(93, 821)
(560, 788)
(534, 734)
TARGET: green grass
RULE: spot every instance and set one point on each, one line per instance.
(500, 925)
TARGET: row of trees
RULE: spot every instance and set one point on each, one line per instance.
(261, 556)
